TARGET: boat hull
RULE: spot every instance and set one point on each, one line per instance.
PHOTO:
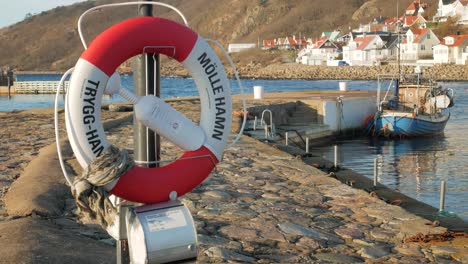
(398, 124)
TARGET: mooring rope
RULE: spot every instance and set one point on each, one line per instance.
(90, 196)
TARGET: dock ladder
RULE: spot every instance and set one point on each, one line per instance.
(270, 130)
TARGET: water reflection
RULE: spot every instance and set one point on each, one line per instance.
(411, 166)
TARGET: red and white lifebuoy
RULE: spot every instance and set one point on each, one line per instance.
(88, 82)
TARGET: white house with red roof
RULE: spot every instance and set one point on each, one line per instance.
(268, 44)
(452, 49)
(292, 43)
(411, 21)
(318, 52)
(452, 8)
(364, 50)
(418, 44)
(415, 8)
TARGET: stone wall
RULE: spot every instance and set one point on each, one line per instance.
(446, 72)
(298, 71)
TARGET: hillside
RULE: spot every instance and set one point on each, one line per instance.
(49, 40)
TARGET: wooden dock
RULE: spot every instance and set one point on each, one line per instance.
(38, 87)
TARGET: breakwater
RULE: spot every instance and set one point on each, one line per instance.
(446, 72)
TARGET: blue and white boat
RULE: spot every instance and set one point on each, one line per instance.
(411, 107)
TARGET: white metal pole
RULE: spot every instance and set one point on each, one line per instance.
(336, 156)
(307, 144)
(442, 196)
(286, 138)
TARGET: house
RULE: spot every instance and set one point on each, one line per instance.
(416, 8)
(391, 46)
(319, 52)
(292, 43)
(240, 47)
(418, 44)
(414, 21)
(452, 49)
(332, 35)
(269, 44)
(364, 50)
(452, 8)
(383, 28)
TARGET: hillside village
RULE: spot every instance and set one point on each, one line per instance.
(378, 42)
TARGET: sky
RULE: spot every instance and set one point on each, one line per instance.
(13, 11)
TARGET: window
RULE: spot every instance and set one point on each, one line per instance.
(428, 36)
(423, 47)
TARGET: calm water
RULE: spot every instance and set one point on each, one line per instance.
(414, 167)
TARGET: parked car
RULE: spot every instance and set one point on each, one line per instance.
(343, 63)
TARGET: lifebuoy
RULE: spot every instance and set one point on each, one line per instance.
(88, 82)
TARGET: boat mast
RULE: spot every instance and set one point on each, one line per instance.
(398, 38)
(397, 83)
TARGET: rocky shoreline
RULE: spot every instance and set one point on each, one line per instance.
(447, 72)
(262, 205)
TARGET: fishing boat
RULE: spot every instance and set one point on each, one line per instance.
(411, 107)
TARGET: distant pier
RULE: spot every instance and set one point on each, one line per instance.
(34, 87)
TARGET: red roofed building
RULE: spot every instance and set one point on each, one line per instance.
(418, 44)
(452, 49)
(292, 43)
(269, 44)
(318, 52)
(364, 50)
(410, 21)
(415, 8)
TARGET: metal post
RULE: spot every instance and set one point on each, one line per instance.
(9, 87)
(286, 138)
(146, 144)
(442, 196)
(146, 74)
(378, 93)
(123, 256)
(307, 145)
(336, 156)
(375, 172)
(255, 123)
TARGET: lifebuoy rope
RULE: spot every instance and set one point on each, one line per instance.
(90, 196)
